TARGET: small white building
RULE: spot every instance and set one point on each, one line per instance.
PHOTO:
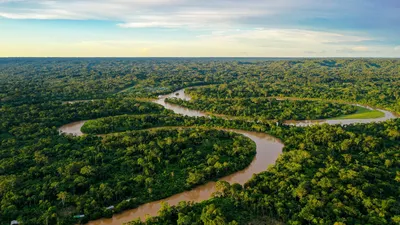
(14, 222)
(110, 207)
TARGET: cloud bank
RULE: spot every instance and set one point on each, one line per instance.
(194, 13)
(293, 27)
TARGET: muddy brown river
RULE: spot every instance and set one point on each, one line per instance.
(268, 150)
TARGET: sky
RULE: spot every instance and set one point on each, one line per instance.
(200, 28)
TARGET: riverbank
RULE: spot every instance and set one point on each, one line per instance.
(268, 150)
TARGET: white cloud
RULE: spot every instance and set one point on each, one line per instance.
(190, 18)
(78, 10)
(151, 13)
(186, 13)
(251, 42)
(287, 38)
(266, 42)
(7, 1)
(42, 15)
(228, 22)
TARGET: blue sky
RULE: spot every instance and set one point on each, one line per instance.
(284, 28)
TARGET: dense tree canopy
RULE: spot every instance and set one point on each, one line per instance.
(267, 109)
(369, 81)
(326, 175)
(85, 175)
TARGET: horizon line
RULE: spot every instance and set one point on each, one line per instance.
(197, 57)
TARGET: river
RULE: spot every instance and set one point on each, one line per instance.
(268, 150)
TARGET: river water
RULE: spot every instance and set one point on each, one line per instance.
(387, 116)
(268, 150)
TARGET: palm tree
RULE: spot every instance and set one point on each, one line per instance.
(62, 196)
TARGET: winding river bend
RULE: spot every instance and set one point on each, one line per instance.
(268, 150)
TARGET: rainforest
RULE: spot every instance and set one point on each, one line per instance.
(199, 141)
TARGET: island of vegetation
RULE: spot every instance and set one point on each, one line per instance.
(267, 108)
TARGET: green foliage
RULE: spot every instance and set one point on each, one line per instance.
(369, 81)
(128, 122)
(327, 174)
(350, 80)
(325, 182)
(363, 113)
(267, 109)
(85, 175)
(29, 118)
